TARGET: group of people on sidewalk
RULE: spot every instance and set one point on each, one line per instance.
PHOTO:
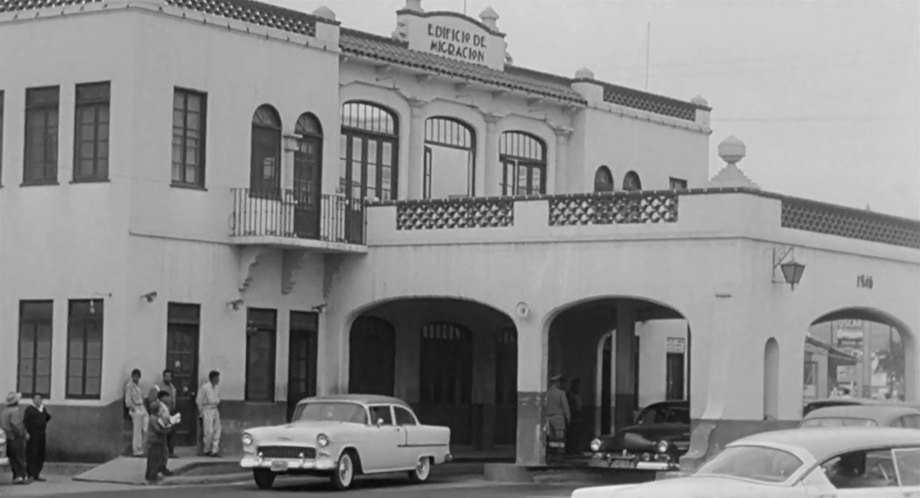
(154, 418)
(24, 426)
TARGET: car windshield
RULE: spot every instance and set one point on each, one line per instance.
(839, 422)
(330, 411)
(752, 462)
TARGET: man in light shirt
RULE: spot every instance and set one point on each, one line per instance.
(134, 402)
(208, 399)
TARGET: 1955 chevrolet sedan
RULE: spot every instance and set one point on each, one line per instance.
(344, 436)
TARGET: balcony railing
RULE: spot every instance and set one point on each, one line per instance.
(289, 213)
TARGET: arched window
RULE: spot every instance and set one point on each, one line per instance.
(450, 159)
(523, 158)
(308, 174)
(771, 380)
(632, 182)
(370, 137)
(603, 180)
(265, 163)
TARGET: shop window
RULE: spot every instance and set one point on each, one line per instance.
(91, 133)
(677, 184)
(369, 152)
(41, 141)
(632, 182)
(189, 133)
(260, 354)
(265, 158)
(84, 348)
(603, 180)
(35, 331)
(450, 159)
(523, 159)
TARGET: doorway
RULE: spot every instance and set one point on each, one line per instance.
(301, 358)
(446, 379)
(182, 334)
(372, 363)
(308, 159)
(674, 376)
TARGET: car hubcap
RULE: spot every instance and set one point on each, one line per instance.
(345, 469)
(424, 466)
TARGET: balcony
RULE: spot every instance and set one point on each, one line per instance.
(289, 219)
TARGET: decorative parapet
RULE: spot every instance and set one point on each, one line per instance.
(657, 104)
(813, 216)
(608, 209)
(455, 213)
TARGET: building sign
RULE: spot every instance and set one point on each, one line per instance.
(849, 337)
(452, 35)
(458, 43)
(676, 345)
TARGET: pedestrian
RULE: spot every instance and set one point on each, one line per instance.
(557, 414)
(208, 399)
(16, 436)
(168, 386)
(573, 397)
(134, 402)
(159, 425)
(36, 421)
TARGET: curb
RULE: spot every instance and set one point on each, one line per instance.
(180, 480)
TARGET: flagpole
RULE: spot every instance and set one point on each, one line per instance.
(648, 42)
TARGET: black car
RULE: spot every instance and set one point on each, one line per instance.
(659, 437)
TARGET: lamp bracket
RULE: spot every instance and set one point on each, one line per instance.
(779, 257)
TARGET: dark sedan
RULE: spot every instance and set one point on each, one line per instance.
(659, 437)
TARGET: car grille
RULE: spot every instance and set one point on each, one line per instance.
(287, 452)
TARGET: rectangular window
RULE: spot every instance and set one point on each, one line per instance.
(91, 133)
(678, 184)
(41, 137)
(84, 348)
(260, 354)
(189, 119)
(34, 375)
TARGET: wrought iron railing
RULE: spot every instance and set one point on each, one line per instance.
(292, 214)
(609, 209)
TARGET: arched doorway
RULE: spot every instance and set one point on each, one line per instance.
(523, 158)
(603, 180)
(308, 175)
(450, 159)
(455, 364)
(265, 159)
(372, 350)
(771, 380)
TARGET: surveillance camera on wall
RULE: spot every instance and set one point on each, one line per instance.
(235, 304)
(150, 296)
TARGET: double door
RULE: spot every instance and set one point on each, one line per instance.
(307, 187)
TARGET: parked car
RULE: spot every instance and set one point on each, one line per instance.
(864, 416)
(656, 441)
(798, 463)
(4, 461)
(344, 436)
(812, 405)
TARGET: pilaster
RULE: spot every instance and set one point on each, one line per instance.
(410, 181)
(488, 177)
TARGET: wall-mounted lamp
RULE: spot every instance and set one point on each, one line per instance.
(320, 308)
(792, 270)
(235, 304)
(150, 296)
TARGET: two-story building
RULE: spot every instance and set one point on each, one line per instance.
(228, 185)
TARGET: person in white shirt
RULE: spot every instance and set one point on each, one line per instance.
(207, 400)
(134, 402)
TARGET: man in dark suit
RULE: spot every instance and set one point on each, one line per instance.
(36, 421)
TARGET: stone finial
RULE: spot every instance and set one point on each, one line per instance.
(699, 100)
(489, 17)
(584, 74)
(732, 150)
(324, 13)
(415, 5)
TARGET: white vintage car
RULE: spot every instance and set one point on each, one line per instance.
(801, 463)
(343, 436)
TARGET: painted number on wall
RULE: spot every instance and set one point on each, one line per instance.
(864, 281)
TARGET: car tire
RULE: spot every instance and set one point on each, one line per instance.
(422, 471)
(344, 473)
(264, 478)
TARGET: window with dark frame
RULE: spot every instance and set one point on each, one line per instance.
(449, 170)
(40, 164)
(35, 335)
(523, 158)
(603, 180)
(631, 182)
(84, 348)
(261, 330)
(265, 161)
(677, 183)
(91, 132)
(189, 133)
(369, 152)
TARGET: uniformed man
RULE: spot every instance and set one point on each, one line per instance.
(557, 414)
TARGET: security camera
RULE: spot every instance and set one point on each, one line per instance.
(235, 304)
(150, 296)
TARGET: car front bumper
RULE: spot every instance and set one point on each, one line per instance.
(282, 465)
(611, 461)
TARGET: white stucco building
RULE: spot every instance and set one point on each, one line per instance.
(309, 209)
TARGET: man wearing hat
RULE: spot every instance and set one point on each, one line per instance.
(16, 436)
(557, 414)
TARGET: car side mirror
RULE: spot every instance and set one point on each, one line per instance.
(379, 422)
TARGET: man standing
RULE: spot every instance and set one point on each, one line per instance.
(36, 421)
(557, 414)
(159, 426)
(573, 397)
(134, 402)
(152, 399)
(16, 437)
(207, 400)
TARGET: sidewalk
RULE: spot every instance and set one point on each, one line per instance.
(187, 470)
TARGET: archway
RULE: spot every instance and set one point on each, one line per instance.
(454, 361)
(626, 354)
(859, 352)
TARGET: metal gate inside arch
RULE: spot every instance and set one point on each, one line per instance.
(446, 379)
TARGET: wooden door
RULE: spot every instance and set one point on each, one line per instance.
(182, 359)
(301, 359)
(372, 357)
(446, 379)
(307, 186)
(675, 376)
(506, 386)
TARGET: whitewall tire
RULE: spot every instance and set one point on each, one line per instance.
(422, 471)
(344, 474)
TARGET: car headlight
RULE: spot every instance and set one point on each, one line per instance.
(247, 439)
(322, 441)
(663, 446)
(595, 445)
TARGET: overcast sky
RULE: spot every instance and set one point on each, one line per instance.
(825, 94)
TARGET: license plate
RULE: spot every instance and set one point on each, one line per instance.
(622, 464)
(279, 466)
